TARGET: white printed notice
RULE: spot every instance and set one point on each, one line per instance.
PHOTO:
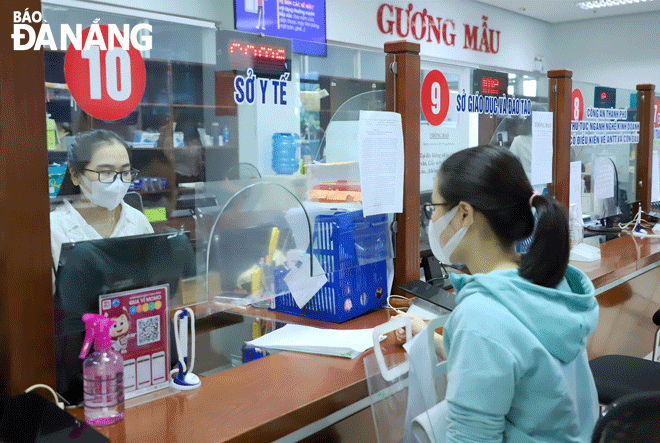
(541, 148)
(603, 178)
(300, 284)
(380, 145)
(655, 177)
(575, 195)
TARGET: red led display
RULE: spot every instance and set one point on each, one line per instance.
(489, 82)
(490, 85)
(244, 55)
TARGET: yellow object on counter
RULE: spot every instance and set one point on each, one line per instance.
(256, 280)
(274, 238)
(155, 214)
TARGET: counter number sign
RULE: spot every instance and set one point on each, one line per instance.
(577, 105)
(435, 97)
(106, 83)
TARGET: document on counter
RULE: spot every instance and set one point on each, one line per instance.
(348, 343)
(380, 145)
(541, 147)
(298, 280)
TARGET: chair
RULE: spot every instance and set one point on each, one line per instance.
(620, 375)
(134, 199)
(630, 419)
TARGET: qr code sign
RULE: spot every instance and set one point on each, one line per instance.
(106, 304)
(148, 330)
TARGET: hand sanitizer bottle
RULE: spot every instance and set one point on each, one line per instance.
(103, 373)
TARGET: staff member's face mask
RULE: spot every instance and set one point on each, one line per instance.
(435, 230)
(98, 190)
(107, 195)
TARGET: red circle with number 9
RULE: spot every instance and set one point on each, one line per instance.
(107, 84)
(435, 97)
(577, 105)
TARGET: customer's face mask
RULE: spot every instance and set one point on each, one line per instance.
(107, 195)
(435, 230)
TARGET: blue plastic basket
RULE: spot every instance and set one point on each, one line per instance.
(356, 248)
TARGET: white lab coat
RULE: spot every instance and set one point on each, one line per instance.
(67, 226)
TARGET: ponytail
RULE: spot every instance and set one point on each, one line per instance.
(546, 260)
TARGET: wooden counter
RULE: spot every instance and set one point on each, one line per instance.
(269, 398)
(621, 258)
(260, 401)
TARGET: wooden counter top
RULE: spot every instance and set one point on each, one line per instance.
(621, 257)
(259, 401)
(271, 397)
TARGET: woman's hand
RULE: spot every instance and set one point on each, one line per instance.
(417, 326)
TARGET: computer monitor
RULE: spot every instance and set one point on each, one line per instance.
(88, 269)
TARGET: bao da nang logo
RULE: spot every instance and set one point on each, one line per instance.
(26, 37)
(103, 66)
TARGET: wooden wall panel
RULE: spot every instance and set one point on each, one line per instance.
(26, 308)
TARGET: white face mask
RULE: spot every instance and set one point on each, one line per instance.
(108, 195)
(435, 230)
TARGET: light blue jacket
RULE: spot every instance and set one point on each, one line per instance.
(516, 358)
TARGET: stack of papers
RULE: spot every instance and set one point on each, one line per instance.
(347, 343)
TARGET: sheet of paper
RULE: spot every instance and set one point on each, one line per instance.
(575, 195)
(542, 149)
(603, 178)
(380, 143)
(301, 285)
(655, 178)
(342, 343)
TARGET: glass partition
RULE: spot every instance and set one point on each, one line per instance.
(479, 113)
(238, 159)
(606, 145)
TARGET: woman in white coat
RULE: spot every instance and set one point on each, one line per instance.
(100, 169)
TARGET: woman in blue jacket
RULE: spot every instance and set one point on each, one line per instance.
(516, 342)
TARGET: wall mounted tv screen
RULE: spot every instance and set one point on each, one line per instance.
(302, 21)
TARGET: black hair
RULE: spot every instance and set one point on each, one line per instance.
(493, 181)
(83, 147)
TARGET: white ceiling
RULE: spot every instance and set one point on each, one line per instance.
(559, 11)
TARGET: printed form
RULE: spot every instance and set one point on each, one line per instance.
(380, 144)
(542, 149)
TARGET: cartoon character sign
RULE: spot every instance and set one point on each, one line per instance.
(119, 332)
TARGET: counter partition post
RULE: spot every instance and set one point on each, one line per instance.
(645, 116)
(403, 92)
(560, 89)
(26, 299)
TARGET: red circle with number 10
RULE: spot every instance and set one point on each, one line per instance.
(107, 84)
(435, 97)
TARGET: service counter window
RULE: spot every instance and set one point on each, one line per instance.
(462, 108)
(211, 181)
(604, 136)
